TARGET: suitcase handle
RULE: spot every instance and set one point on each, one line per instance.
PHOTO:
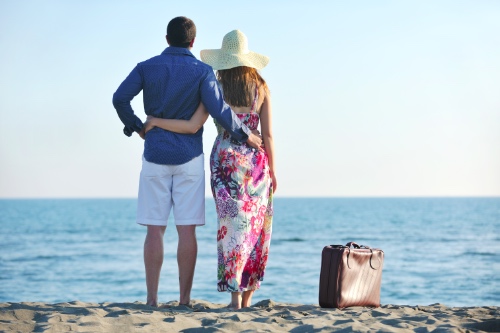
(351, 244)
(356, 246)
(374, 262)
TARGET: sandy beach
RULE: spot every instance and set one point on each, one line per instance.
(264, 316)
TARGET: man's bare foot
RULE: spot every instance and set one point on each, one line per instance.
(189, 305)
(152, 300)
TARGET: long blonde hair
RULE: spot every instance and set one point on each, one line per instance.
(239, 84)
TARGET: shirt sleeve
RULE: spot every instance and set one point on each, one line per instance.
(212, 99)
(127, 90)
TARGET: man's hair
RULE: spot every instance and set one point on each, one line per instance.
(181, 31)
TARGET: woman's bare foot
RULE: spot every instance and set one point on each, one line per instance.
(235, 301)
(246, 300)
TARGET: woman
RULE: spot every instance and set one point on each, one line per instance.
(242, 178)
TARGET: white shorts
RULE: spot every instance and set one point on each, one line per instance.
(162, 187)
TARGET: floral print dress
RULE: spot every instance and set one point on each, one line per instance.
(242, 189)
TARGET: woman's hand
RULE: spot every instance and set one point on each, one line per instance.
(149, 124)
(275, 182)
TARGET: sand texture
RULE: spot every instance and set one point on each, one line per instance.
(265, 316)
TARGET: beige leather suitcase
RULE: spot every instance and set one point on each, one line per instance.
(351, 275)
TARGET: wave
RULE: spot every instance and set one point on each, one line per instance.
(291, 240)
(481, 254)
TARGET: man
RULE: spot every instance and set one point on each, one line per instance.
(172, 175)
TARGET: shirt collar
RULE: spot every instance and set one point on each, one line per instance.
(178, 50)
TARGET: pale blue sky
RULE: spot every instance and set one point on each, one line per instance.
(370, 98)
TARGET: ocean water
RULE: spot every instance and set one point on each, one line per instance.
(437, 250)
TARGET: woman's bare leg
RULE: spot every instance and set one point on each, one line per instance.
(235, 301)
(246, 300)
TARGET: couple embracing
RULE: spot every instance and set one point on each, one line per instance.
(179, 92)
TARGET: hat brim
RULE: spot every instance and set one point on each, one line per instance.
(220, 60)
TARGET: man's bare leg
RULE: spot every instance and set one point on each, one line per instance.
(246, 300)
(153, 260)
(187, 250)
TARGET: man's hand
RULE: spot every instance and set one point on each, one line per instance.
(255, 140)
(142, 133)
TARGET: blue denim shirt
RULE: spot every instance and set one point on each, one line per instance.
(173, 85)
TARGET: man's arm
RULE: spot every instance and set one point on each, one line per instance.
(211, 97)
(129, 88)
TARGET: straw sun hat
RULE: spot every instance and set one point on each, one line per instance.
(233, 53)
